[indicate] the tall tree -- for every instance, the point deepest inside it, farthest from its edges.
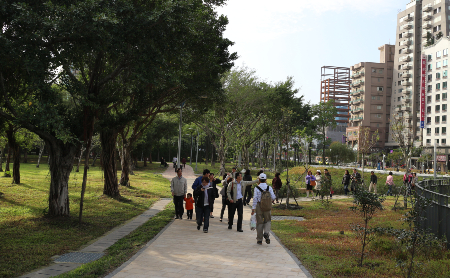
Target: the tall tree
(367, 139)
(324, 115)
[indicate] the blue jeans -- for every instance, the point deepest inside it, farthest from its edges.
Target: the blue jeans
(389, 192)
(203, 213)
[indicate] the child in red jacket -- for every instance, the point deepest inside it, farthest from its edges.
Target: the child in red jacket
(189, 205)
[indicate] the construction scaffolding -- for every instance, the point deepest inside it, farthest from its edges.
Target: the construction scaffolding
(335, 84)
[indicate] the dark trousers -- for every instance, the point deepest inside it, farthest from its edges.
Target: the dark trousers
(189, 213)
(178, 202)
(247, 194)
(224, 205)
(212, 205)
(239, 206)
(203, 213)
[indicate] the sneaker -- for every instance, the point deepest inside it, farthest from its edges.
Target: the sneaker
(205, 231)
(176, 217)
(212, 216)
(198, 227)
(259, 242)
(266, 236)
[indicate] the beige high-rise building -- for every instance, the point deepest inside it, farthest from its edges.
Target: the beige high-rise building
(371, 97)
(421, 22)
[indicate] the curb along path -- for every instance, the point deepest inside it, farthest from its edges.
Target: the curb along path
(183, 251)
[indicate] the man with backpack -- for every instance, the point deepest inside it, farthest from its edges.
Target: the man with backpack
(263, 198)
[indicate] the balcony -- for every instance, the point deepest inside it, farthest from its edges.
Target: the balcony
(406, 83)
(397, 109)
(407, 66)
(427, 8)
(406, 43)
(427, 16)
(358, 83)
(358, 74)
(358, 101)
(407, 35)
(405, 58)
(406, 26)
(406, 92)
(424, 34)
(406, 108)
(406, 75)
(407, 51)
(427, 26)
(407, 100)
(409, 18)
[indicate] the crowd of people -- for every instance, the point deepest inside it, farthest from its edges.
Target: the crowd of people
(236, 193)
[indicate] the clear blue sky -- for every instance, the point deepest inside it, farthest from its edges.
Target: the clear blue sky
(297, 37)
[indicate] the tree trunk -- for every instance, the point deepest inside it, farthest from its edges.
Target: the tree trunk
(41, 151)
(60, 163)
(222, 153)
(25, 156)
(15, 148)
(88, 128)
(125, 160)
(150, 159)
(145, 160)
(207, 144)
(213, 163)
(309, 152)
(108, 140)
(1, 159)
(79, 158)
(8, 159)
(95, 158)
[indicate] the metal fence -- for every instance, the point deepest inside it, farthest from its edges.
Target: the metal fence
(437, 216)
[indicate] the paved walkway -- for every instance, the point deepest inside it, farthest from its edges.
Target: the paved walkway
(183, 251)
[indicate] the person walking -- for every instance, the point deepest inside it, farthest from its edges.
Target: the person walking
(373, 182)
(276, 185)
(318, 186)
(203, 196)
(327, 182)
(263, 198)
(183, 161)
(226, 180)
(389, 183)
(213, 183)
(198, 181)
(310, 183)
(174, 161)
(178, 186)
(356, 180)
(248, 189)
(189, 205)
(235, 192)
(346, 181)
(415, 180)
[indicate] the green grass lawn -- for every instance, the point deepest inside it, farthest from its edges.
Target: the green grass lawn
(30, 238)
(325, 252)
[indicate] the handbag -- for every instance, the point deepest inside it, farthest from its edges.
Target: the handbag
(312, 183)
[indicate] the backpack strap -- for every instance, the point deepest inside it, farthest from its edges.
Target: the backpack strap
(267, 189)
(259, 188)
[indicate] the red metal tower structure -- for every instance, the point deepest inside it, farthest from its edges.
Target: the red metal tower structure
(335, 84)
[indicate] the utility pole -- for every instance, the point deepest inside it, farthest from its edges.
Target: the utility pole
(434, 164)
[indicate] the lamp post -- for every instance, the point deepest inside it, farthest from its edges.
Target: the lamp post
(196, 156)
(179, 136)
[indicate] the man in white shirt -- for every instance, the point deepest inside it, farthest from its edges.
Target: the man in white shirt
(263, 218)
(235, 192)
(178, 186)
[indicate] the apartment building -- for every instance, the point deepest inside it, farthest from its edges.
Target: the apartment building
(436, 98)
(371, 97)
(421, 23)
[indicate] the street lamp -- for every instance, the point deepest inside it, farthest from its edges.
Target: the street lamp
(179, 136)
(196, 156)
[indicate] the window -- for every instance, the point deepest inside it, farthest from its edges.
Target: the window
(430, 57)
(436, 130)
(444, 74)
(438, 65)
(444, 130)
(380, 71)
(436, 119)
(399, 99)
(444, 119)
(438, 54)
(374, 70)
(444, 96)
(438, 97)
(438, 75)
(395, 83)
(445, 63)
(437, 141)
(429, 67)
(444, 107)
(428, 120)
(429, 141)
(374, 97)
(428, 99)
(400, 51)
(400, 90)
(437, 108)
(379, 107)
(438, 86)
(444, 85)
(430, 77)
(444, 141)
(429, 88)
(429, 110)
(429, 131)
(445, 52)
(379, 89)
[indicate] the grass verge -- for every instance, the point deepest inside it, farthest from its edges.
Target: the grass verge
(325, 252)
(125, 248)
(30, 238)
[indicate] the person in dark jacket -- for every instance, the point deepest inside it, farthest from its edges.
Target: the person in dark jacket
(248, 189)
(226, 180)
(346, 181)
(276, 185)
(373, 182)
(203, 195)
(213, 182)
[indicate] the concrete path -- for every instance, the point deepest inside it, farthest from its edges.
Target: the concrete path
(183, 251)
